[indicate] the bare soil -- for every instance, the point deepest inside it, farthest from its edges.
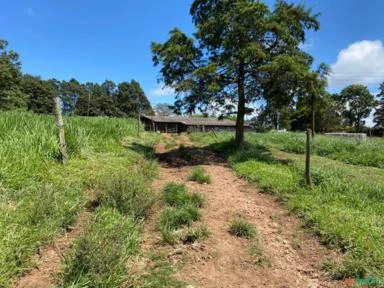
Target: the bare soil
(49, 258)
(291, 256)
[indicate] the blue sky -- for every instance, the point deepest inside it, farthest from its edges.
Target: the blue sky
(98, 40)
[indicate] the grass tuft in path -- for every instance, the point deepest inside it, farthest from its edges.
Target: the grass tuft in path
(199, 175)
(241, 228)
(182, 210)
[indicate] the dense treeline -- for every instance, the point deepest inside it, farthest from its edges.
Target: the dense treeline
(345, 111)
(18, 91)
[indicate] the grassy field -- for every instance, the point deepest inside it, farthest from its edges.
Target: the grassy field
(40, 197)
(346, 205)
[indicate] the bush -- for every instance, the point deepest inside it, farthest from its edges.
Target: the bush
(99, 256)
(131, 196)
(199, 175)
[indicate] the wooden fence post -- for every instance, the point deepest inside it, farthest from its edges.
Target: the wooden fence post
(308, 159)
(60, 131)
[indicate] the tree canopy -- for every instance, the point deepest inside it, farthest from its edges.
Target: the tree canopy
(11, 96)
(357, 103)
(241, 52)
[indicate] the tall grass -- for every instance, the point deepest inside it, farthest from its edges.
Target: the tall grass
(345, 207)
(99, 256)
(39, 197)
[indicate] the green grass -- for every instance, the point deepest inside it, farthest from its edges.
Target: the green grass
(350, 151)
(241, 228)
(199, 175)
(174, 218)
(39, 197)
(130, 196)
(182, 210)
(171, 144)
(99, 256)
(345, 206)
(176, 195)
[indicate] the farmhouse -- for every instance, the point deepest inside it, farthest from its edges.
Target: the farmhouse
(177, 124)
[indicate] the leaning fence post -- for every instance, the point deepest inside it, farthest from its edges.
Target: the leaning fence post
(308, 159)
(60, 131)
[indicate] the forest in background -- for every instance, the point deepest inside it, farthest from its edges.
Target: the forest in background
(32, 93)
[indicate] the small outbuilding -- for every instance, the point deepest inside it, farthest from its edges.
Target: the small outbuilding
(178, 124)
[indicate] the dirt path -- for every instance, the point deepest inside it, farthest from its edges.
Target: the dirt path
(49, 258)
(293, 258)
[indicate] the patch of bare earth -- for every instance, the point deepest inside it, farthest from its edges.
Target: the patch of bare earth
(293, 258)
(49, 257)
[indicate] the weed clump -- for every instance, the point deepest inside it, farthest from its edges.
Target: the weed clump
(199, 175)
(241, 228)
(182, 211)
(173, 218)
(176, 195)
(193, 235)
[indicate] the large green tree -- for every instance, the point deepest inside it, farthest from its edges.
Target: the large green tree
(11, 96)
(40, 94)
(241, 51)
(379, 113)
(357, 103)
(131, 99)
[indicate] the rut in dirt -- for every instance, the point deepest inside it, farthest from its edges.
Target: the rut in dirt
(291, 257)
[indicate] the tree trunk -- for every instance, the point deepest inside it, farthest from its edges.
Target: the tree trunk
(60, 131)
(313, 121)
(240, 105)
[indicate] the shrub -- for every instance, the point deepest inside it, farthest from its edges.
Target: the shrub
(199, 175)
(99, 256)
(241, 228)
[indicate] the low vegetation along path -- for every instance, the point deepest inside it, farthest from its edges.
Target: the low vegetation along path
(289, 257)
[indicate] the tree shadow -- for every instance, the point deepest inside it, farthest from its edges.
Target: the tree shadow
(217, 153)
(148, 151)
(247, 152)
(189, 156)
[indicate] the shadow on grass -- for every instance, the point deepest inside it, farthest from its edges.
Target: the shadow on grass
(247, 152)
(148, 151)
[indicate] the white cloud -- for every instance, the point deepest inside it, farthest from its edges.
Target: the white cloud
(30, 12)
(161, 91)
(360, 63)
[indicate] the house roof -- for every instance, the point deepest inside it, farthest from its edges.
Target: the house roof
(191, 120)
